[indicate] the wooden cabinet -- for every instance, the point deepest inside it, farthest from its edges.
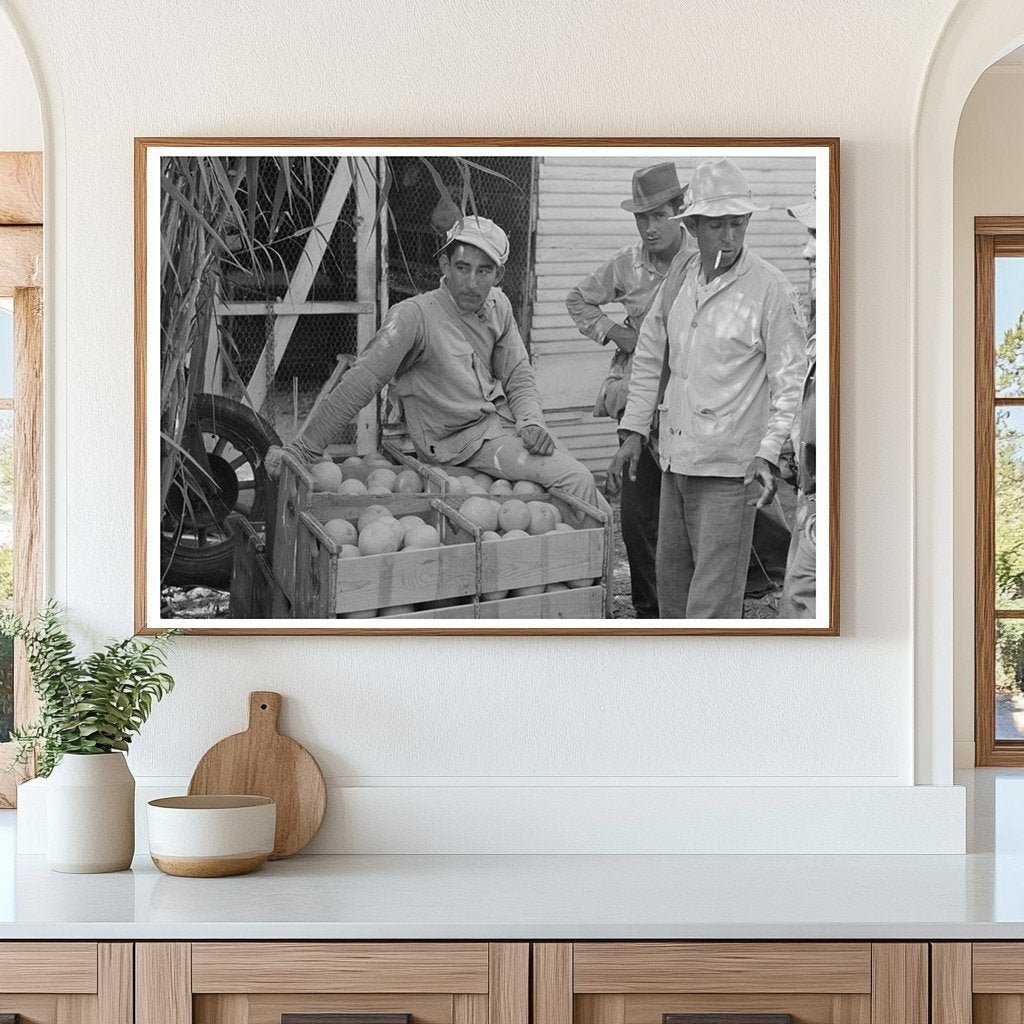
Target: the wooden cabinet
(260, 982)
(650, 982)
(978, 983)
(66, 982)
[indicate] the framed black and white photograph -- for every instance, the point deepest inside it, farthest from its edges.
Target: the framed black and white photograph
(488, 386)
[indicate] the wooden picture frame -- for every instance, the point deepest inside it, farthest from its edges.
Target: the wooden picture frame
(286, 311)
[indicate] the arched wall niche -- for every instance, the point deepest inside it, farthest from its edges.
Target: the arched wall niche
(976, 34)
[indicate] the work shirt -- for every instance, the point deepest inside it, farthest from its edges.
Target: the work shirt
(631, 278)
(463, 378)
(736, 365)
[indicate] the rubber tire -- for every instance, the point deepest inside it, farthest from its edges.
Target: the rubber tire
(221, 416)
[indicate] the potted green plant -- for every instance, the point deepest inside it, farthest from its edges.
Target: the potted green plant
(89, 709)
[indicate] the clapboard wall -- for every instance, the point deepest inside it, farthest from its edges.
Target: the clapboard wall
(579, 225)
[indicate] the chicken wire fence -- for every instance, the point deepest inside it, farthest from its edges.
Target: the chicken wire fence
(285, 359)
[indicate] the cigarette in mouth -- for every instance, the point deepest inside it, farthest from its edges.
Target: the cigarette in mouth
(718, 259)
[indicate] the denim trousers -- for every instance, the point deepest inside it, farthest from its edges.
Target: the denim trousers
(704, 534)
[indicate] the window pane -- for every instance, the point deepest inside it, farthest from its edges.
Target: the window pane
(6, 567)
(1009, 319)
(1009, 679)
(1009, 532)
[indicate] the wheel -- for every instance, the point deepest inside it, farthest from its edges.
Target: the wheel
(196, 547)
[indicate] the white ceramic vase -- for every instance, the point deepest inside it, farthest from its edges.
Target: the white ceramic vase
(90, 814)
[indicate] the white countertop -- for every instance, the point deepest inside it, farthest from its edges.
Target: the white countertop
(977, 896)
(516, 897)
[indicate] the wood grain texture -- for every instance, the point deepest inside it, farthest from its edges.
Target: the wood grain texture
(115, 1002)
(509, 983)
(951, 983)
(163, 983)
(899, 991)
(603, 1009)
(721, 967)
(262, 762)
(805, 1008)
(21, 259)
(29, 1009)
(76, 1010)
(998, 1009)
(468, 1009)
(28, 483)
(267, 1009)
(998, 967)
(65, 967)
(552, 983)
(226, 1009)
(21, 188)
(339, 967)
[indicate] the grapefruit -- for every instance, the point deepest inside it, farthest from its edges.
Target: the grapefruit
(352, 486)
(483, 480)
(341, 531)
(377, 538)
(348, 551)
(419, 537)
(542, 519)
(352, 460)
(410, 521)
(326, 476)
(358, 471)
(469, 486)
(563, 528)
(454, 485)
(500, 487)
(527, 489)
(408, 482)
(370, 513)
(514, 515)
(553, 588)
(495, 595)
(385, 478)
(489, 535)
(527, 591)
(480, 512)
(515, 535)
(577, 584)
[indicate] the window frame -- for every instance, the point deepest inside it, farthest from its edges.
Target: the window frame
(993, 237)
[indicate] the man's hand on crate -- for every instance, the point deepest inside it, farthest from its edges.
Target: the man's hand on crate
(272, 461)
(537, 440)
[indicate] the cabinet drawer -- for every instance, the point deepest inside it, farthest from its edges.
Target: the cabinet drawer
(730, 983)
(332, 983)
(66, 967)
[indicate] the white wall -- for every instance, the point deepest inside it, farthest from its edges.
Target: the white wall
(987, 182)
(425, 715)
(21, 127)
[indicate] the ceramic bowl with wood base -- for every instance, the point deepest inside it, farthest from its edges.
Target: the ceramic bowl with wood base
(211, 836)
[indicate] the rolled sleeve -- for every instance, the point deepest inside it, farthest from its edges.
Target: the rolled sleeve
(786, 365)
(584, 301)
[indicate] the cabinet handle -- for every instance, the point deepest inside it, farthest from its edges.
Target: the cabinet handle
(727, 1018)
(337, 1018)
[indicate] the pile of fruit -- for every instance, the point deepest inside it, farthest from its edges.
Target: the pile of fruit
(500, 509)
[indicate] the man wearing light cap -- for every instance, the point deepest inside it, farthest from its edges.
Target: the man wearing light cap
(462, 373)
(721, 356)
(632, 277)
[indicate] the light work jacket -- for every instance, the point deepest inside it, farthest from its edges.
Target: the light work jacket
(736, 366)
(459, 376)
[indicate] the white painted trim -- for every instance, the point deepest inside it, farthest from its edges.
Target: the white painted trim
(972, 38)
(566, 819)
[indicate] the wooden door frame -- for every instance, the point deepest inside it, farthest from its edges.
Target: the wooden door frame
(21, 278)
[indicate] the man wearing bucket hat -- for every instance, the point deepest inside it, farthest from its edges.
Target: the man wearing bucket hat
(462, 373)
(632, 278)
(721, 356)
(799, 592)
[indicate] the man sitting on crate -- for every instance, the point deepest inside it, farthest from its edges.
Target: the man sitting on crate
(462, 372)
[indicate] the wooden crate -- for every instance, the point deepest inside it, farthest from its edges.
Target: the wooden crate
(252, 579)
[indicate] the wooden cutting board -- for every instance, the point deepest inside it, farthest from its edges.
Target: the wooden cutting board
(262, 762)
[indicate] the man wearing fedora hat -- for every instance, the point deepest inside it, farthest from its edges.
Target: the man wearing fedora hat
(462, 373)
(799, 592)
(632, 277)
(721, 356)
